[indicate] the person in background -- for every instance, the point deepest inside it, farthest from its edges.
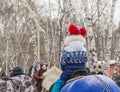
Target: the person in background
(93, 72)
(100, 72)
(74, 55)
(117, 80)
(20, 82)
(16, 71)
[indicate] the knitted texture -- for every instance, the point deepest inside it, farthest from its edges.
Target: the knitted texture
(72, 61)
(75, 59)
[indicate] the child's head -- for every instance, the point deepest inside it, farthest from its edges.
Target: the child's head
(75, 41)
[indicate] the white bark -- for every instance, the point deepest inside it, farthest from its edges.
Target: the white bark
(7, 47)
(38, 29)
(47, 40)
(100, 51)
(90, 37)
(110, 31)
(117, 49)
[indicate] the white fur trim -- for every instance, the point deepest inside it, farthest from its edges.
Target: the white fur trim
(71, 38)
(50, 77)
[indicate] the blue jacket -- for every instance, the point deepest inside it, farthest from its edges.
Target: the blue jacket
(72, 61)
(92, 83)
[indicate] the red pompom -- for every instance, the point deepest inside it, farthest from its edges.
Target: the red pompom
(73, 29)
(83, 32)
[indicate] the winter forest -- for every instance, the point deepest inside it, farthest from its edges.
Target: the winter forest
(33, 30)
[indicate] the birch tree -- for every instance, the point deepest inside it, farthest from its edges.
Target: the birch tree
(90, 37)
(116, 47)
(18, 26)
(109, 32)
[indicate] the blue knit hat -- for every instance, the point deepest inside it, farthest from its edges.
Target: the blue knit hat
(17, 71)
(92, 83)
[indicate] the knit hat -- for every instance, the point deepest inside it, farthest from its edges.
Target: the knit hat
(92, 83)
(75, 34)
(17, 71)
(74, 54)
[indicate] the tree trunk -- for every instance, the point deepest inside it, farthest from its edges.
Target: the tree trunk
(90, 37)
(110, 32)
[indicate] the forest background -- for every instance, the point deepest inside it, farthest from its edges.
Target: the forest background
(33, 30)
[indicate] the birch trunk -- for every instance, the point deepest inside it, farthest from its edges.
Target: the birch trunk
(100, 51)
(92, 55)
(47, 41)
(109, 34)
(117, 49)
(38, 29)
(7, 64)
(108, 48)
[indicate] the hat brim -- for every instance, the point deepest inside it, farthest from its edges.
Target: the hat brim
(71, 38)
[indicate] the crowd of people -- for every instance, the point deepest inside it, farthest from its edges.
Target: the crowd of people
(17, 81)
(24, 83)
(74, 57)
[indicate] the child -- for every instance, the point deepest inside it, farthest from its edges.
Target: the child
(74, 55)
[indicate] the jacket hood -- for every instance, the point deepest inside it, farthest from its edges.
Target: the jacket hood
(92, 83)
